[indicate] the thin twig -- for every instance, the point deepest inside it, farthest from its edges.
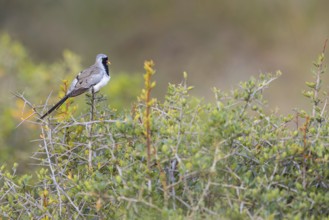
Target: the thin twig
(140, 201)
(26, 102)
(53, 176)
(90, 150)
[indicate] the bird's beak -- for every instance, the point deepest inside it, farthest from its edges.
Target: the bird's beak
(108, 62)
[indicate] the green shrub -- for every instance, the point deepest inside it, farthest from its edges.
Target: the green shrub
(18, 72)
(180, 158)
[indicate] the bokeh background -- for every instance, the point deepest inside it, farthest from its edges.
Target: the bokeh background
(218, 43)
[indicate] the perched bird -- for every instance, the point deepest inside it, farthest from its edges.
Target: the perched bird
(91, 79)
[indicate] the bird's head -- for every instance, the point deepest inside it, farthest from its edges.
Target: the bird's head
(102, 59)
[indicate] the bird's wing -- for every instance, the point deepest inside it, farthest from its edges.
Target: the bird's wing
(73, 84)
(85, 80)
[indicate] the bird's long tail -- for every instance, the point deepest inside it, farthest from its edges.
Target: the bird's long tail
(58, 104)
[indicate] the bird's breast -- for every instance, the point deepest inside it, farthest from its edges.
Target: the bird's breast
(102, 83)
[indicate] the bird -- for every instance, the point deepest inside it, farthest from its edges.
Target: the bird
(91, 79)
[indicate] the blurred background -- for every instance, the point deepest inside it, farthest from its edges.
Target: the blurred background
(218, 43)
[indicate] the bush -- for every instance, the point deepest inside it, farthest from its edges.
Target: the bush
(180, 158)
(18, 72)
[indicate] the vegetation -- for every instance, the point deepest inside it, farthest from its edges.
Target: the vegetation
(19, 73)
(178, 158)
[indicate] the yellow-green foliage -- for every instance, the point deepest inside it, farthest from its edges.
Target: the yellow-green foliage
(37, 81)
(228, 159)
(123, 90)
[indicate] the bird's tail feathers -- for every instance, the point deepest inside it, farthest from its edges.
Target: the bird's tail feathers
(58, 104)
